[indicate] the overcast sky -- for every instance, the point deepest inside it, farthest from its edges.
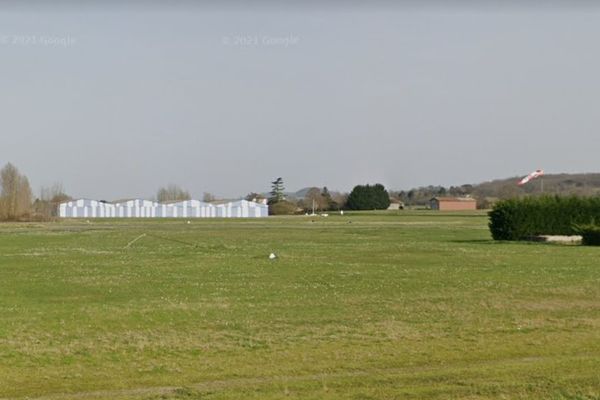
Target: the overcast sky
(116, 100)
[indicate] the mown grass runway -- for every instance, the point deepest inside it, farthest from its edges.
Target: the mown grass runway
(402, 305)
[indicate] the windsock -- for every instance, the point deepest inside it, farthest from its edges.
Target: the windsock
(533, 175)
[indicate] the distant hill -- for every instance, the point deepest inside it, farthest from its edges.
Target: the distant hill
(587, 184)
(299, 194)
(563, 184)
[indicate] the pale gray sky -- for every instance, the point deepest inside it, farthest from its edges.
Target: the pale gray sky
(115, 100)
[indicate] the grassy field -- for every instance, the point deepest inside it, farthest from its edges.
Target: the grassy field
(413, 305)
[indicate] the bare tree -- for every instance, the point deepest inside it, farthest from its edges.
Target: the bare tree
(253, 196)
(46, 206)
(340, 199)
(15, 193)
(172, 193)
(24, 197)
(9, 177)
(208, 197)
(315, 197)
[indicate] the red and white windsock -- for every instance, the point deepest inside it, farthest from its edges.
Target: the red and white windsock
(533, 175)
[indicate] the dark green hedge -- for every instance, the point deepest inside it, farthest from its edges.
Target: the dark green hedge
(368, 197)
(590, 234)
(517, 219)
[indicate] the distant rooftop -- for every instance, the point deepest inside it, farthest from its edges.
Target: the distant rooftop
(453, 198)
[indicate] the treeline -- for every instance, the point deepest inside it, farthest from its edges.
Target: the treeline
(488, 193)
(314, 199)
(422, 195)
(17, 202)
(582, 185)
(308, 200)
(173, 193)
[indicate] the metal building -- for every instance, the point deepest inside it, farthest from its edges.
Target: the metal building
(138, 208)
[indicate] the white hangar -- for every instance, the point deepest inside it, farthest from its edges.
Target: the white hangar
(84, 208)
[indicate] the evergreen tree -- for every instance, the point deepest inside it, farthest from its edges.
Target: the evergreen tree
(369, 197)
(330, 204)
(277, 189)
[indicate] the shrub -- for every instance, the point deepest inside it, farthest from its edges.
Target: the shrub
(282, 207)
(517, 219)
(368, 197)
(590, 234)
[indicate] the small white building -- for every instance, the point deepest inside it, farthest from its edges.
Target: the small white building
(396, 205)
(139, 208)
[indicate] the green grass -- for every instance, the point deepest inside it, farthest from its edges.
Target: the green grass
(406, 305)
